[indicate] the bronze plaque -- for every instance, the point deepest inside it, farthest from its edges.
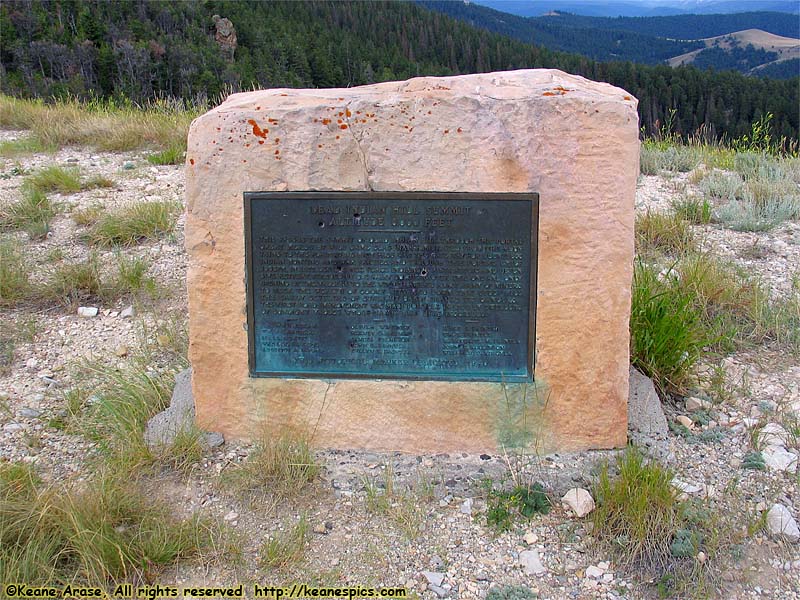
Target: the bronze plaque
(412, 285)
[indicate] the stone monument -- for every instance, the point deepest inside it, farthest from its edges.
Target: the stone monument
(424, 266)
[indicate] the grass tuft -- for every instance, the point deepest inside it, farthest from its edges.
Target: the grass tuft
(174, 155)
(692, 209)
(32, 213)
(667, 331)
(56, 179)
(286, 548)
(665, 232)
(14, 284)
(106, 531)
(280, 466)
(103, 125)
(26, 145)
(141, 221)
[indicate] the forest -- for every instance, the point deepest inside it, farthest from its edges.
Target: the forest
(139, 49)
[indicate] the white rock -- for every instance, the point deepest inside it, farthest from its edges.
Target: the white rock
(434, 577)
(231, 516)
(530, 561)
(530, 538)
(781, 523)
(686, 487)
(466, 506)
(693, 404)
(685, 421)
(594, 572)
(128, 313)
(779, 458)
(772, 434)
(579, 501)
(87, 311)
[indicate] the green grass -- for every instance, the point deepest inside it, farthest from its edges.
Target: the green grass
(56, 179)
(106, 531)
(104, 125)
(32, 213)
(692, 209)
(285, 548)
(664, 232)
(173, 155)
(26, 145)
(140, 221)
(86, 217)
(280, 466)
(14, 284)
(667, 331)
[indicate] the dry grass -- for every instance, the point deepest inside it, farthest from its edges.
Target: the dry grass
(130, 225)
(102, 126)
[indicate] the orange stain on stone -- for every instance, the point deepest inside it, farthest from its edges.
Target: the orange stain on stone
(260, 141)
(459, 130)
(191, 161)
(343, 126)
(257, 131)
(348, 113)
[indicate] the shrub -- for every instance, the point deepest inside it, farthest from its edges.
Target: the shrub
(504, 507)
(510, 592)
(141, 221)
(654, 158)
(726, 186)
(748, 215)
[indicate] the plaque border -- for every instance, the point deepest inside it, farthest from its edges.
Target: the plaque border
(250, 197)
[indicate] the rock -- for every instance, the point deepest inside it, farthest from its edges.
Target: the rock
(530, 538)
(781, 523)
(685, 421)
(320, 529)
(128, 313)
(213, 439)
(87, 312)
(29, 413)
(579, 501)
(529, 559)
(121, 351)
(647, 425)
(594, 572)
(466, 506)
(231, 516)
(436, 563)
(694, 404)
(439, 591)
(12, 427)
(772, 434)
(543, 121)
(179, 416)
(225, 36)
(686, 487)
(434, 577)
(779, 458)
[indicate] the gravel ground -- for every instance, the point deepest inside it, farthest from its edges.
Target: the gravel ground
(436, 521)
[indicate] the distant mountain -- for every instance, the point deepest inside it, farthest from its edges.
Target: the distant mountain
(685, 27)
(649, 40)
(745, 51)
(633, 8)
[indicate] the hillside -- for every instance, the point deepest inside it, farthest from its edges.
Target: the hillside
(638, 8)
(649, 40)
(133, 51)
(748, 50)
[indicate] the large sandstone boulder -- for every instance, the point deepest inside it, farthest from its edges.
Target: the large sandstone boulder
(573, 141)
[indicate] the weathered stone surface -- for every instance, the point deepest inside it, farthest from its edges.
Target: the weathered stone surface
(531, 563)
(573, 141)
(647, 425)
(781, 523)
(579, 501)
(162, 428)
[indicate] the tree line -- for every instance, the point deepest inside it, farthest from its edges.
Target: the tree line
(141, 48)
